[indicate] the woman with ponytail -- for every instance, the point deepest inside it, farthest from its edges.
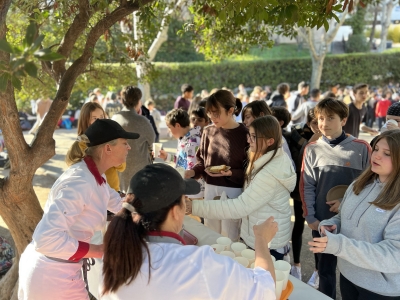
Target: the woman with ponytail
(146, 258)
(222, 143)
(90, 112)
(270, 177)
(50, 266)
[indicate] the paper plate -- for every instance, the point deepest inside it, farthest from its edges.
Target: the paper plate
(226, 169)
(337, 192)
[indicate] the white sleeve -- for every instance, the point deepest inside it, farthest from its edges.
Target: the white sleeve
(227, 279)
(115, 202)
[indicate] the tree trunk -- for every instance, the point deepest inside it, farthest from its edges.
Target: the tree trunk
(371, 36)
(317, 66)
(386, 17)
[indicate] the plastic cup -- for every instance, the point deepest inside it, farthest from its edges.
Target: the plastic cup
(249, 254)
(273, 258)
(228, 253)
(225, 241)
(156, 149)
(284, 267)
(237, 248)
(218, 248)
(252, 266)
(243, 261)
(280, 278)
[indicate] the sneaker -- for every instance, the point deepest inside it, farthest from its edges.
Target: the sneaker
(314, 280)
(296, 272)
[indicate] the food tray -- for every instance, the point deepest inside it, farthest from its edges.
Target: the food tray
(286, 293)
(226, 169)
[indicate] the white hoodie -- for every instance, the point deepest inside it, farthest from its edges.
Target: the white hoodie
(267, 195)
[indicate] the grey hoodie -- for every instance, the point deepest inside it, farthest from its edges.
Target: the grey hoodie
(367, 241)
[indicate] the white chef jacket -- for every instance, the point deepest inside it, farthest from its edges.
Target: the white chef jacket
(191, 272)
(76, 208)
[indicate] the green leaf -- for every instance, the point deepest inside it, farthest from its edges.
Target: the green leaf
(16, 82)
(31, 69)
(30, 33)
(37, 42)
(5, 46)
(47, 55)
(3, 81)
(326, 25)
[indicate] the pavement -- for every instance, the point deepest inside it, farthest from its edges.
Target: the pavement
(53, 168)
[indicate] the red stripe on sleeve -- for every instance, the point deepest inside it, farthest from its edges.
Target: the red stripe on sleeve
(83, 249)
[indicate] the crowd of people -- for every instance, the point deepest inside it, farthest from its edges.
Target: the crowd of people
(271, 147)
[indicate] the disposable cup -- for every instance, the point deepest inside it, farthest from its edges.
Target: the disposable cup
(228, 253)
(225, 241)
(280, 278)
(237, 248)
(252, 266)
(243, 261)
(218, 248)
(284, 267)
(273, 258)
(156, 149)
(249, 254)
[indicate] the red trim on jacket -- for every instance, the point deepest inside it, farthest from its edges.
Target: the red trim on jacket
(168, 234)
(366, 145)
(83, 249)
(93, 169)
(301, 187)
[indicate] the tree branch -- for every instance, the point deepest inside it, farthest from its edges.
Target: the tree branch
(4, 7)
(310, 40)
(329, 37)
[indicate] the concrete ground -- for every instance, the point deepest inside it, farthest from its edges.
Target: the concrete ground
(50, 171)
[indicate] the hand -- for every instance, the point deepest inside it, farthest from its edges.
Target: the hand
(314, 226)
(334, 204)
(266, 230)
(221, 174)
(189, 174)
(318, 244)
(375, 132)
(391, 126)
(188, 206)
(163, 154)
(330, 228)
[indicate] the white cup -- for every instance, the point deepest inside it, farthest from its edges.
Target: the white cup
(238, 248)
(243, 261)
(156, 149)
(284, 267)
(225, 241)
(252, 266)
(280, 278)
(273, 258)
(218, 248)
(228, 253)
(391, 121)
(249, 254)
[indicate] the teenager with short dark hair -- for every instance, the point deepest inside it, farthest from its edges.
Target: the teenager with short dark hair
(334, 159)
(184, 100)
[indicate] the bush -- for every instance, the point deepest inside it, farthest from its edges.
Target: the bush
(394, 33)
(357, 43)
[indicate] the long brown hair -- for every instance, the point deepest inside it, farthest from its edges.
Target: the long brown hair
(125, 243)
(225, 99)
(389, 196)
(265, 128)
(256, 108)
(75, 153)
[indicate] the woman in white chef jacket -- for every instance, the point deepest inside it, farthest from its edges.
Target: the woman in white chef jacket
(50, 266)
(145, 257)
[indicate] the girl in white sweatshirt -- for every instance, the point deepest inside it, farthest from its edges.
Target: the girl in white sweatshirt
(270, 177)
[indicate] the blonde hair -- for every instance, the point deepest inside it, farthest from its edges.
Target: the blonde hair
(389, 196)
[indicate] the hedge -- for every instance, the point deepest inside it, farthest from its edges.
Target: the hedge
(346, 69)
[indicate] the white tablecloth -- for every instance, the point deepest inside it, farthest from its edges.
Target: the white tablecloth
(206, 236)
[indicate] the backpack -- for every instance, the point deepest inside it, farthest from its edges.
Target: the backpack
(6, 255)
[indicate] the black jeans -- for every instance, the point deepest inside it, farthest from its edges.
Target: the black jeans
(298, 229)
(350, 291)
(326, 271)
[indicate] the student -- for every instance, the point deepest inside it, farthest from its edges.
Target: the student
(357, 112)
(145, 255)
(393, 113)
(334, 159)
(151, 106)
(184, 100)
(298, 138)
(270, 178)
(381, 109)
(178, 123)
(50, 266)
(298, 99)
(222, 143)
(301, 114)
(280, 98)
(365, 234)
(90, 112)
(198, 117)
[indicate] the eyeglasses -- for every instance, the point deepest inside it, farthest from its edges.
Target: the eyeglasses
(253, 138)
(213, 114)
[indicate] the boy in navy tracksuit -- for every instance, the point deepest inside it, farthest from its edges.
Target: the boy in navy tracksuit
(334, 159)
